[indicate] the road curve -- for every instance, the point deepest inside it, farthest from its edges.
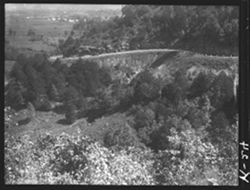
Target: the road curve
(105, 55)
(53, 58)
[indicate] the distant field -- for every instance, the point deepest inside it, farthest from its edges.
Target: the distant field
(51, 32)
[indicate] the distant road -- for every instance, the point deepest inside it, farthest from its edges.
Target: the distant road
(104, 55)
(53, 58)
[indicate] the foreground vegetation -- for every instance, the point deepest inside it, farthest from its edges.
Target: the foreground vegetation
(79, 160)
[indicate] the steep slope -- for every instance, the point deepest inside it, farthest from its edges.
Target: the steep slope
(192, 64)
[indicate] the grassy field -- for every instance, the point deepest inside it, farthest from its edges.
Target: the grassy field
(43, 122)
(50, 122)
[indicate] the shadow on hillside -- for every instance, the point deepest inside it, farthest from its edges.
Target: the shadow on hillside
(62, 122)
(59, 109)
(24, 121)
(163, 58)
(94, 114)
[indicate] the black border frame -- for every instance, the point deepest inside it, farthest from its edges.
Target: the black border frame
(244, 75)
(243, 82)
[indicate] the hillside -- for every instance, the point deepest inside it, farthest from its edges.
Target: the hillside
(127, 64)
(140, 95)
(180, 99)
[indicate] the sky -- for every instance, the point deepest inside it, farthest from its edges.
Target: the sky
(12, 7)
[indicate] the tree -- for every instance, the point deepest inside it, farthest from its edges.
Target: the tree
(124, 136)
(31, 33)
(70, 96)
(82, 104)
(18, 73)
(34, 73)
(48, 73)
(180, 80)
(69, 47)
(42, 103)
(147, 134)
(199, 115)
(221, 90)
(176, 91)
(31, 109)
(71, 113)
(92, 77)
(220, 127)
(54, 93)
(143, 117)
(205, 29)
(187, 160)
(14, 95)
(200, 85)
(105, 77)
(146, 87)
(172, 93)
(36, 80)
(59, 80)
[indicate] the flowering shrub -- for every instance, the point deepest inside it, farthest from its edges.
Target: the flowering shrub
(190, 160)
(8, 117)
(187, 159)
(73, 160)
(123, 167)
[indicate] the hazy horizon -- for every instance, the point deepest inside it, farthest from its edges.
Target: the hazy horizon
(35, 6)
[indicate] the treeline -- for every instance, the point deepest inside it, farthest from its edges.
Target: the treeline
(87, 90)
(204, 29)
(207, 105)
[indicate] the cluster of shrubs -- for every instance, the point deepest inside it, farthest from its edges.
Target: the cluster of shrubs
(36, 80)
(73, 160)
(66, 159)
(201, 114)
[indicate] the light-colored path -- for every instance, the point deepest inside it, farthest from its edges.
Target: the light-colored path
(140, 51)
